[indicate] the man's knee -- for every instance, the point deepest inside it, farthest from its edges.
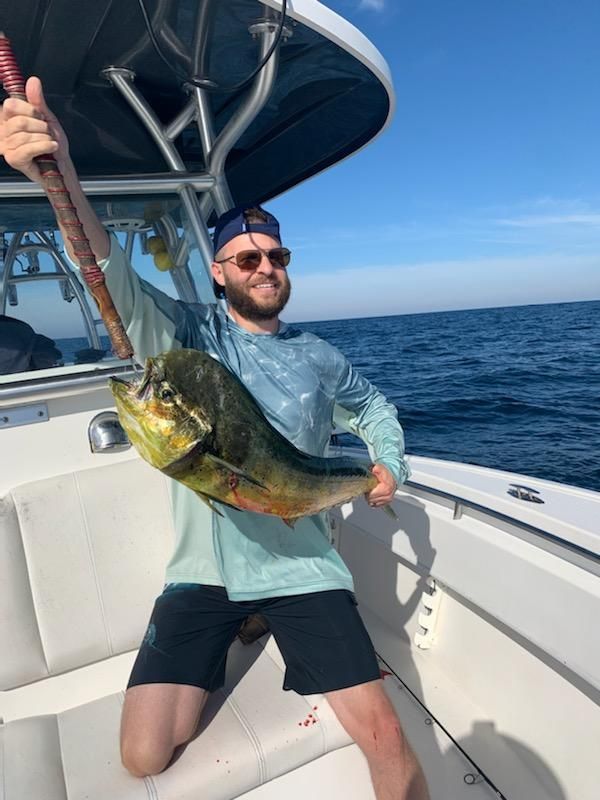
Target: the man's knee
(383, 736)
(142, 757)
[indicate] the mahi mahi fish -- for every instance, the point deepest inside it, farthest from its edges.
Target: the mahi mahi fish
(194, 420)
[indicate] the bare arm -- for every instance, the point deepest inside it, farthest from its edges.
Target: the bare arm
(30, 129)
(153, 321)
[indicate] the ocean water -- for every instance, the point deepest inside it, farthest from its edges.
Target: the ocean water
(512, 388)
(77, 350)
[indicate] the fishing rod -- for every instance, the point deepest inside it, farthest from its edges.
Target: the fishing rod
(67, 216)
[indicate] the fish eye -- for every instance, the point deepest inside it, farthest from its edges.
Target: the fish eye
(166, 393)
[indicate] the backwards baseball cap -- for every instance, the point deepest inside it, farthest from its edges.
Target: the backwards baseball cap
(235, 222)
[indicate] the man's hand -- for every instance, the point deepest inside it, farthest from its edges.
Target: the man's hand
(384, 492)
(29, 129)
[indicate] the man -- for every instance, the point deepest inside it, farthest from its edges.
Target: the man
(227, 567)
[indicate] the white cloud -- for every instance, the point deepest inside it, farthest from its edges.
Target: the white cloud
(544, 220)
(443, 285)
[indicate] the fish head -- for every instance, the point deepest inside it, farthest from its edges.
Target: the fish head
(158, 411)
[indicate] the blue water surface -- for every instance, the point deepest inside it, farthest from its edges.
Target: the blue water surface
(512, 388)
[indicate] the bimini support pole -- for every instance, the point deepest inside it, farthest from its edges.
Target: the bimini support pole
(158, 184)
(216, 149)
(266, 31)
(62, 272)
(123, 80)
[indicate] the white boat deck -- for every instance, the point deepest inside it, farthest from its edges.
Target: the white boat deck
(450, 774)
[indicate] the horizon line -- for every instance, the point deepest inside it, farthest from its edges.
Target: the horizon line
(415, 313)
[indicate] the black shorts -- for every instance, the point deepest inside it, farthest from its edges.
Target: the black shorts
(321, 637)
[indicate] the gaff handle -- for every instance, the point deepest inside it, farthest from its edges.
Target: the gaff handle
(66, 215)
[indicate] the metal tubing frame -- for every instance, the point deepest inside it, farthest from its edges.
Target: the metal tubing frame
(122, 79)
(243, 117)
(216, 149)
(90, 379)
(78, 291)
(130, 236)
(178, 248)
(216, 152)
(200, 65)
(204, 121)
(151, 185)
(200, 51)
(9, 259)
(166, 228)
(181, 121)
(62, 273)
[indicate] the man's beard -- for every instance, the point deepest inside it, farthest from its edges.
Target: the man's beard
(238, 297)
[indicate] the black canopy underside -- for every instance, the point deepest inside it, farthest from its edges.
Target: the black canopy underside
(325, 103)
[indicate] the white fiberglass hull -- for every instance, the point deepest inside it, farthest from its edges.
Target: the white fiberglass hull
(487, 605)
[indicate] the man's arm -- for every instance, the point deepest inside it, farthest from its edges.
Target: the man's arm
(154, 321)
(29, 129)
(363, 410)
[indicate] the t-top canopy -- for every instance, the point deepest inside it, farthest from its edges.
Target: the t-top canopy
(331, 94)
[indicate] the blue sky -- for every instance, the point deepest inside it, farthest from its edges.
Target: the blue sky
(485, 189)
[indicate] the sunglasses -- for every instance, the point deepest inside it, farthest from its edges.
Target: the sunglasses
(250, 259)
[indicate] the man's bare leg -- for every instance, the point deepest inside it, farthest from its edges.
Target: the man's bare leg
(368, 716)
(156, 719)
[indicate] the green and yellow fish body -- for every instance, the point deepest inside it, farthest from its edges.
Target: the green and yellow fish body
(195, 421)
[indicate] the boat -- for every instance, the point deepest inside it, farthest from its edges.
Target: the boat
(482, 597)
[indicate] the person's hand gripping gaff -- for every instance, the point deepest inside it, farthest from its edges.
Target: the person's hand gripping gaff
(66, 215)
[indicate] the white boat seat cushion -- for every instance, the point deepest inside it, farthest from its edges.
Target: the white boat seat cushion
(252, 732)
(82, 557)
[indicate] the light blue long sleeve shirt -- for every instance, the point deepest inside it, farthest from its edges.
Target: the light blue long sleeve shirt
(304, 386)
